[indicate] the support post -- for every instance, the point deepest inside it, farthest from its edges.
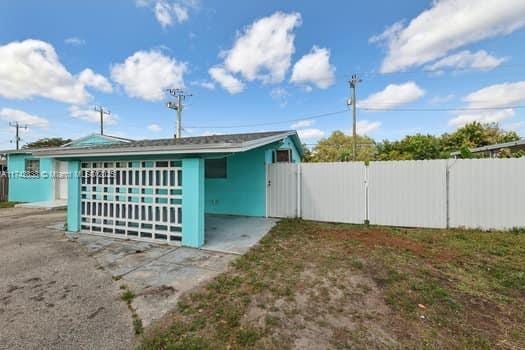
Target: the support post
(193, 202)
(73, 196)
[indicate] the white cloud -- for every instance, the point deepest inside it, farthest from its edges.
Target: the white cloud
(264, 49)
(15, 115)
(147, 74)
(514, 126)
(303, 124)
(365, 127)
(96, 81)
(314, 68)
(74, 41)
(32, 68)
(280, 94)
(442, 99)
(498, 95)
(226, 80)
(154, 127)
(393, 95)
(310, 133)
(493, 96)
(204, 84)
(445, 26)
(90, 115)
(494, 116)
(168, 13)
(480, 60)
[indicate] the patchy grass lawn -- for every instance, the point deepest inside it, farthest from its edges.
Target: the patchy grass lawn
(315, 285)
(7, 204)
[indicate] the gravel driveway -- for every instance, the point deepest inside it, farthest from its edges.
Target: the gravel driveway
(52, 294)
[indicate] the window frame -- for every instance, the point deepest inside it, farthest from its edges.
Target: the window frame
(276, 158)
(30, 170)
(207, 174)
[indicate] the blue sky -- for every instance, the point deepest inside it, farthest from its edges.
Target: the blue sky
(259, 62)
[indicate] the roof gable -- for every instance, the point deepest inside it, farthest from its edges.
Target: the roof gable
(95, 140)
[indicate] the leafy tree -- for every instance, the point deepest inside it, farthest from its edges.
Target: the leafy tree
(338, 147)
(476, 135)
(47, 142)
(411, 147)
(307, 157)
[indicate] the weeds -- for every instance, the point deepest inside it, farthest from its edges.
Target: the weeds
(358, 286)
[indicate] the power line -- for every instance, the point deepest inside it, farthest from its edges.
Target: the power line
(315, 116)
(178, 106)
(17, 126)
(353, 101)
(102, 113)
(387, 109)
(328, 114)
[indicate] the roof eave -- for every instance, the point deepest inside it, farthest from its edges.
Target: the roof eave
(172, 149)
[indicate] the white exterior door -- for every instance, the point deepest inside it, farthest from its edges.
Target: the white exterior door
(282, 184)
(61, 180)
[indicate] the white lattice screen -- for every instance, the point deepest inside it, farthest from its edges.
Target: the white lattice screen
(137, 199)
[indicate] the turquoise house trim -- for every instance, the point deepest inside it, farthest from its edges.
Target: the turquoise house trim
(95, 140)
(30, 189)
(193, 202)
(73, 200)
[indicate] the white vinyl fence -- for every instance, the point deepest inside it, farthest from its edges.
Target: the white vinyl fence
(409, 193)
(474, 193)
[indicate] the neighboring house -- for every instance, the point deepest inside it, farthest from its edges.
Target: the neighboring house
(33, 178)
(160, 190)
(493, 151)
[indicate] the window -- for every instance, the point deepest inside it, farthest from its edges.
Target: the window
(32, 167)
(215, 168)
(282, 156)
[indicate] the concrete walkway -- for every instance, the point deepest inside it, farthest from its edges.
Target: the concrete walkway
(235, 234)
(156, 274)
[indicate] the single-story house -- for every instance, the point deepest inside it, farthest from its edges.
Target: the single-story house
(155, 190)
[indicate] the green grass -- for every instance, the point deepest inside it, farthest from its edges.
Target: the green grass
(7, 204)
(127, 296)
(352, 286)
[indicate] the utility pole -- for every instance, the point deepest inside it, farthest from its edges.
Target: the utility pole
(178, 106)
(352, 101)
(17, 137)
(102, 113)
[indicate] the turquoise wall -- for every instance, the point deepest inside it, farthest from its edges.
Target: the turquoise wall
(193, 202)
(243, 192)
(30, 189)
(73, 196)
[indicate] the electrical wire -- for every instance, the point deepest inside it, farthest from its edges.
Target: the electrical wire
(315, 116)
(328, 114)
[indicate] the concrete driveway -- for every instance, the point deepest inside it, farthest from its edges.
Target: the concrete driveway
(52, 295)
(63, 291)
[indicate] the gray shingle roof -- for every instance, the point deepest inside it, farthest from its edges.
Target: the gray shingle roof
(197, 140)
(188, 145)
